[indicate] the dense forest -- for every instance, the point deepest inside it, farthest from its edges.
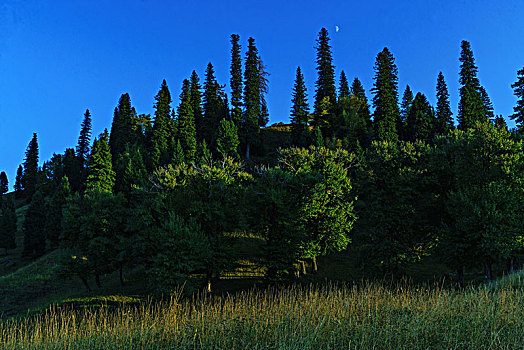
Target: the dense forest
(396, 180)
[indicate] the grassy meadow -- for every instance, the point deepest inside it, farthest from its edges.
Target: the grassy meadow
(334, 316)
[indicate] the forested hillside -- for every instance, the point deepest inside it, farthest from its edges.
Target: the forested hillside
(384, 182)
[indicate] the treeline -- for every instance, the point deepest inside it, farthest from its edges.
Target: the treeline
(173, 192)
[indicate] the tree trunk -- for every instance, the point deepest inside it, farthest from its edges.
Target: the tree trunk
(208, 278)
(460, 277)
(84, 281)
(510, 266)
(121, 274)
(97, 280)
(304, 272)
(487, 272)
(247, 151)
(315, 269)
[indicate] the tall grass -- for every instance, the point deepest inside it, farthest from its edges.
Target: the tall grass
(375, 316)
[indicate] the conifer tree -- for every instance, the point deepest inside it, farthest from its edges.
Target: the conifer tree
(325, 92)
(252, 95)
(33, 227)
(227, 139)
(196, 104)
(420, 120)
(213, 107)
(358, 91)
(343, 88)
(101, 177)
(161, 132)
(178, 154)
(385, 99)
(123, 126)
(53, 223)
(4, 185)
(134, 172)
(186, 123)
(8, 226)
(444, 122)
(518, 91)
(82, 148)
(407, 100)
(486, 103)
(471, 105)
(19, 187)
(30, 177)
(263, 117)
(235, 81)
(299, 111)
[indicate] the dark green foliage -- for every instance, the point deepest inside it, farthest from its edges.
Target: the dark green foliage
(343, 87)
(500, 122)
(394, 226)
(252, 97)
(299, 111)
(420, 120)
(33, 227)
(134, 173)
(53, 223)
(183, 249)
(479, 176)
(209, 193)
(178, 154)
(471, 104)
(263, 116)
(227, 139)
(518, 88)
(407, 100)
(351, 123)
(84, 140)
(486, 103)
(19, 187)
(123, 126)
(235, 81)
(318, 139)
(161, 133)
(444, 122)
(385, 97)
(4, 184)
(325, 92)
(213, 106)
(8, 226)
(101, 177)
(358, 91)
(30, 177)
(196, 104)
(326, 211)
(186, 132)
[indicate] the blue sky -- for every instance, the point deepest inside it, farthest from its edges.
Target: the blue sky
(59, 57)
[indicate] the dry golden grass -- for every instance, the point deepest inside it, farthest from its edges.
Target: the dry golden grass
(375, 316)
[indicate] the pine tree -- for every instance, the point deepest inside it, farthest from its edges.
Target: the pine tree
(213, 107)
(101, 177)
(33, 227)
(30, 177)
(196, 104)
(123, 126)
(161, 132)
(263, 117)
(8, 226)
(343, 88)
(235, 81)
(407, 100)
(19, 187)
(444, 122)
(385, 99)
(518, 88)
(252, 95)
(82, 148)
(358, 91)
(299, 111)
(486, 103)
(471, 105)
(420, 120)
(186, 123)
(325, 92)
(134, 172)
(227, 139)
(4, 185)
(178, 154)
(53, 223)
